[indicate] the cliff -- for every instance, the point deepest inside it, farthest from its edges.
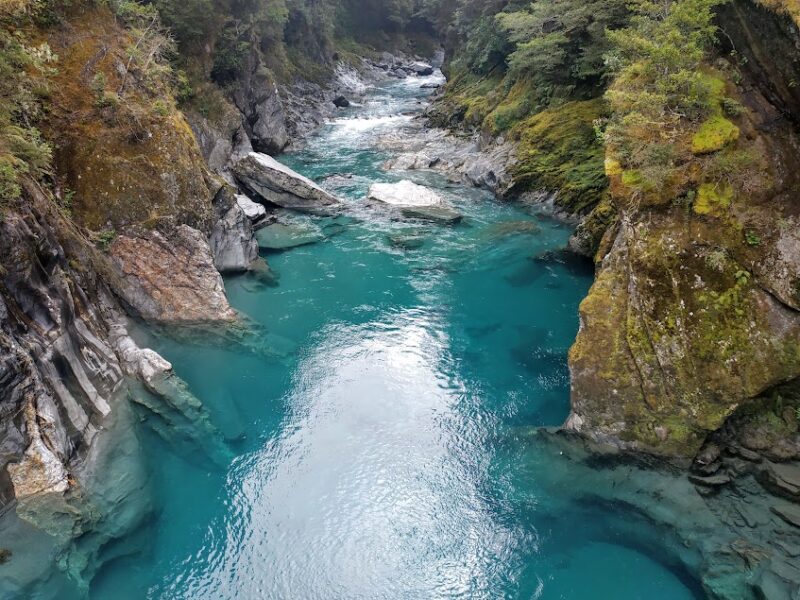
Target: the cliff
(697, 287)
(679, 161)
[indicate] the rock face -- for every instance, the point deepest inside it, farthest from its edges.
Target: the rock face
(277, 184)
(57, 371)
(675, 363)
(232, 240)
(414, 200)
(64, 357)
(170, 279)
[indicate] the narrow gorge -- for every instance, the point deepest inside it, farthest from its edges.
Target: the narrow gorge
(405, 299)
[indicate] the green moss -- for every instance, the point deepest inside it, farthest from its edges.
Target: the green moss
(714, 134)
(558, 150)
(632, 178)
(512, 109)
(713, 199)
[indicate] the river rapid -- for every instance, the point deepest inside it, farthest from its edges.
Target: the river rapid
(384, 447)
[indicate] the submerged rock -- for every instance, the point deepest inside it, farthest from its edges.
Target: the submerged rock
(277, 184)
(790, 514)
(407, 240)
(415, 201)
(283, 236)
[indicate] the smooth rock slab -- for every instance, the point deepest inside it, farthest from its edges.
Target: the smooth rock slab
(790, 514)
(414, 201)
(277, 184)
(281, 236)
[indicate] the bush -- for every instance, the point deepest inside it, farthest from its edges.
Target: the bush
(9, 186)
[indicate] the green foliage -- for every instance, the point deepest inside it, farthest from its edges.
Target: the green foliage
(190, 21)
(230, 54)
(9, 185)
(561, 44)
(663, 91)
(105, 238)
(558, 151)
(752, 238)
(658, 59)
(22, 149)
(732, 108)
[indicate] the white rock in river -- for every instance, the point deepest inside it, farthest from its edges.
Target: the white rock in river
(252, 210)
(277, 184)
(414, 200)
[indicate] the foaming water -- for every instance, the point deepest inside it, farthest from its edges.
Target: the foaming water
(382, 458)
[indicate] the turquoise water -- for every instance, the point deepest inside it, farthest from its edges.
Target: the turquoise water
(377, 453)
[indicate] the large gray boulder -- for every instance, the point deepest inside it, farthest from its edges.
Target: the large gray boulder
(275, 183)
(414, 201)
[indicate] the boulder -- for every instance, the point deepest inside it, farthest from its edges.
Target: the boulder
(269, 129)
(252, 210)
(782, 479)
(277, 184)
(421, 69)
(169, 278)
(433, 85)
(341, 102)
(414, 201)
(411, 161)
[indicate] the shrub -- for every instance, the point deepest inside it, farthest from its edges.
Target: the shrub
(752, 238)
(9, 186)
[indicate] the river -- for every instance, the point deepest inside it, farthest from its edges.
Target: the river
(379, 453)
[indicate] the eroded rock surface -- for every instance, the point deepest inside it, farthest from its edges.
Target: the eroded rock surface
(232, 241)
(170, 279)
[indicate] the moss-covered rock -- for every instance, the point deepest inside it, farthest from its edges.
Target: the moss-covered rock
(128, 162)
(686, 338)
